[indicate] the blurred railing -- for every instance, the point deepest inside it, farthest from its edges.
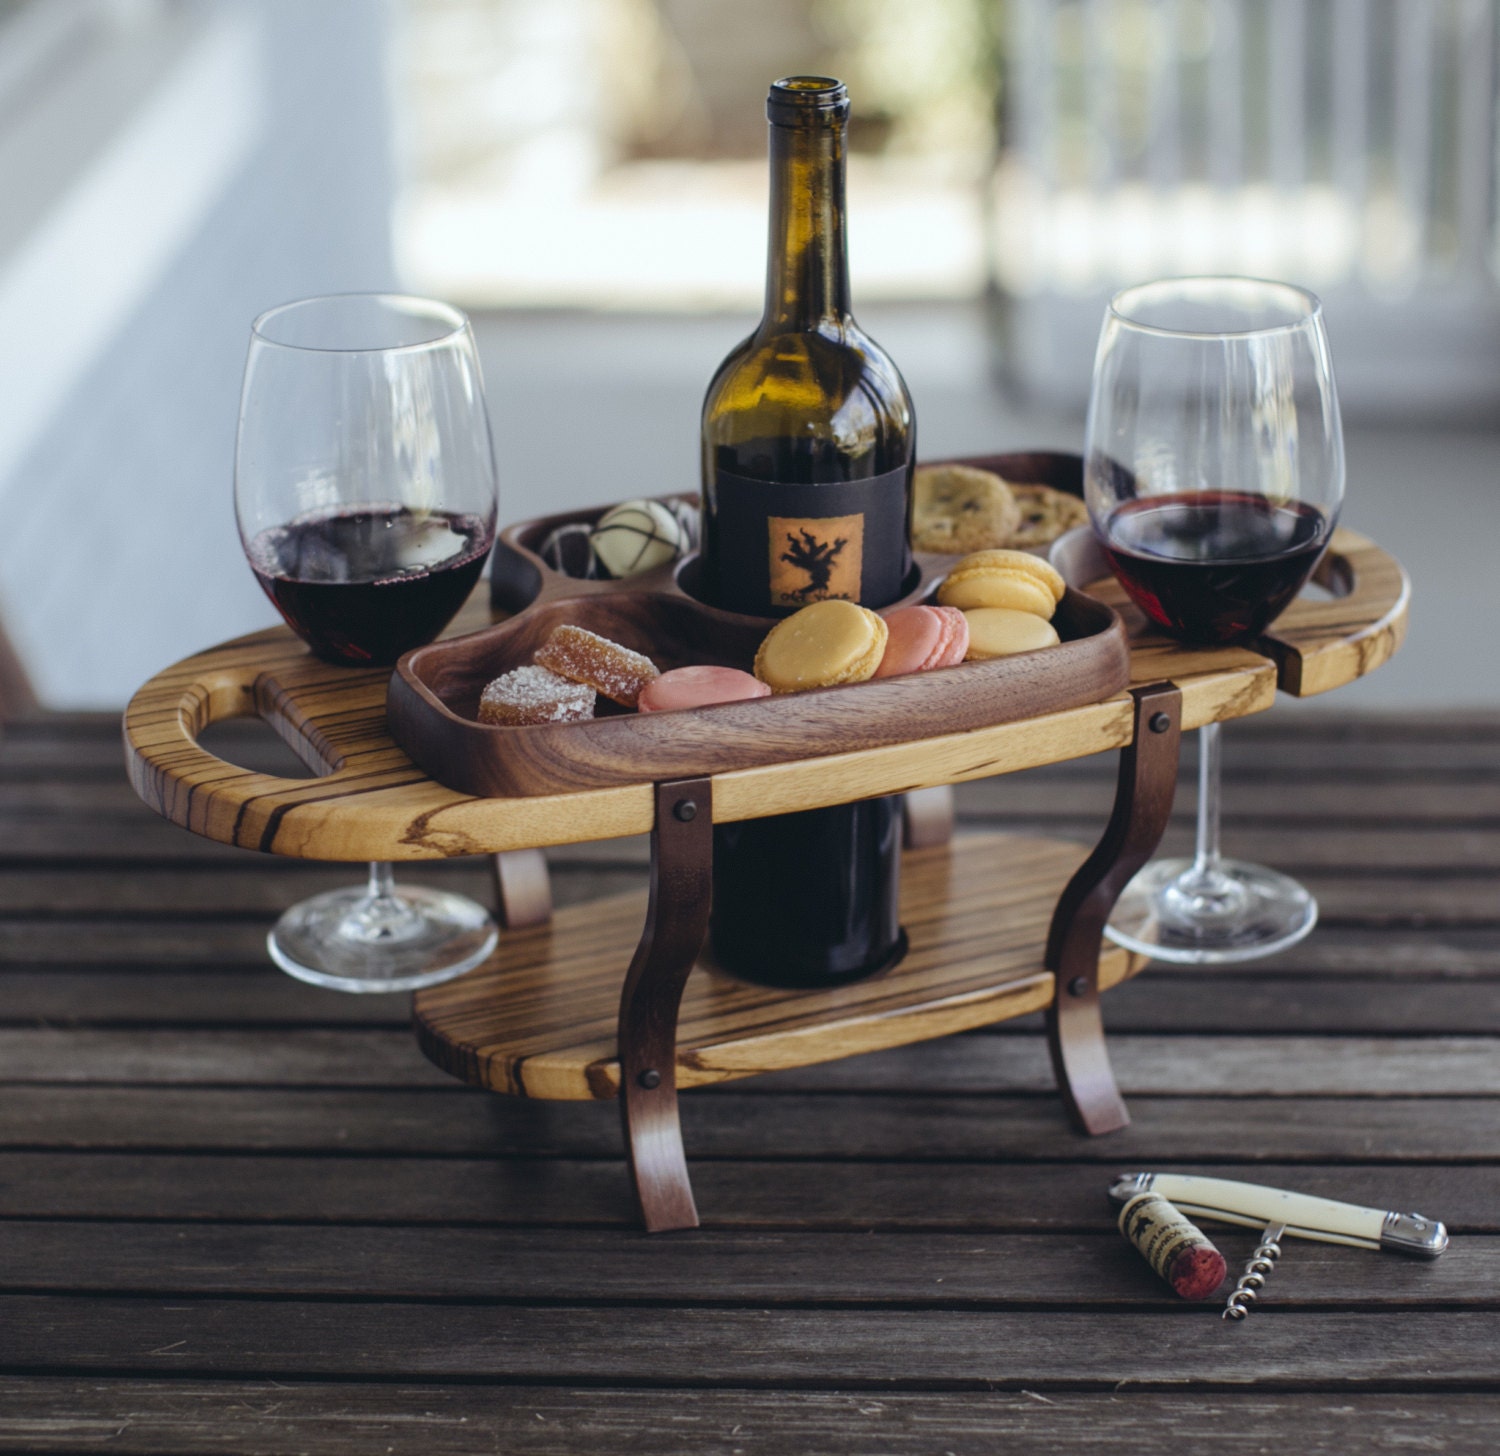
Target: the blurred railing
(1349, 145)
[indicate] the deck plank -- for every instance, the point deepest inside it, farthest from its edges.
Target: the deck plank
(165, 1417)
(979, 1062)
(519, 1192)
(1371, 898)
(923, 1270)
(811, 1348)
(1273, 1000)
(240, 1214)
(457, 1121)
(515, 1191)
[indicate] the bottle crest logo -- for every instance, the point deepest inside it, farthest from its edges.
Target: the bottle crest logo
(815, 558)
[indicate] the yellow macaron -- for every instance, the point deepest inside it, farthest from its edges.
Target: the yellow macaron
(1015, 580)
(1001, 631)
(821, 646)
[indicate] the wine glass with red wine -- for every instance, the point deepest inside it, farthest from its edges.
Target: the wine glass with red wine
(1214, 472)
(365, 489)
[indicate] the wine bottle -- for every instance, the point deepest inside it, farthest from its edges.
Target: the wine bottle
(808, 446)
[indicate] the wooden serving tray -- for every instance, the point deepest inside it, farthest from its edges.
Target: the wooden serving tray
(434, 693)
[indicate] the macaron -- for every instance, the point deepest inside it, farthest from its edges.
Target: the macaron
(1011, 579)
(958, 641)
(922, 638)
(699, 687)
(828, 643)
(1002, 631)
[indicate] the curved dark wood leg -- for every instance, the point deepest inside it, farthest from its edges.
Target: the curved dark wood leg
(682, 845)
(928, 817)
(1143, 802)
(523, 888)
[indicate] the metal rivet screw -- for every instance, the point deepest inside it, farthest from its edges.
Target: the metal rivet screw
(1160, 722)
(649, 1078)
(685, 810)
(1078, 986)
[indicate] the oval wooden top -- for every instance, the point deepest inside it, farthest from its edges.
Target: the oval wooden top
(370, 802)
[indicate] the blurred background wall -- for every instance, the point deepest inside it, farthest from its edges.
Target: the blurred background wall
(169, 171)
(587, 177)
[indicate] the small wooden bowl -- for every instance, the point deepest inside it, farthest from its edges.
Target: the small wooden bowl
(434, 693)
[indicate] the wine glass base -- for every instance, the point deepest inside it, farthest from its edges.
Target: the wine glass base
(347, 940)
(1241, 914)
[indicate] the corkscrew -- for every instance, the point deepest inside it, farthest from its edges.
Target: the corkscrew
(1279, 1213)
(1253, 1280)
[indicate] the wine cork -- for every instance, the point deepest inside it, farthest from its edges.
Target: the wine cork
(1172, 1246)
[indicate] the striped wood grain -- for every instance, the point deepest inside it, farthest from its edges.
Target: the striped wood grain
(1320, 645)
(369, 801)
(538, 1019)
(1315, 644)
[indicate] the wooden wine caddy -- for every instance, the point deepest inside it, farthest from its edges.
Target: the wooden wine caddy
(996, 925)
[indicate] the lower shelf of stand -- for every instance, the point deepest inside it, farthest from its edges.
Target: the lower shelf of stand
(538, 1018)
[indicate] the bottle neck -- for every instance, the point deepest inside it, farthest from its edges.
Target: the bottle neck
(807, 273)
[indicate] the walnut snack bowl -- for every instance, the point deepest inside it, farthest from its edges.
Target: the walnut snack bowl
(432, 702)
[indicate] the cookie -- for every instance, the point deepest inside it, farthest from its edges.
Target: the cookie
(821, 646)
(1000, 632)
(1011, 579)
(1044, 514)
(956, 508)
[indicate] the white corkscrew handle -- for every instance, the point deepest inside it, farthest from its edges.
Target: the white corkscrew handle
(1303, 1215)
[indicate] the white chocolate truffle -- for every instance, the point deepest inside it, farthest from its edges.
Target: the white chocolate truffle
(636, 536)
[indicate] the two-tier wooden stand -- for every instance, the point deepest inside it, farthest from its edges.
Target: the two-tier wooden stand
(998, 925)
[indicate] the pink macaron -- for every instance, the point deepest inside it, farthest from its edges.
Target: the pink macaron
(955, 637)
(922, 638)
(699, 687)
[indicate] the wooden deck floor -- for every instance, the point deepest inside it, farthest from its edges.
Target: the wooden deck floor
(243, 1215)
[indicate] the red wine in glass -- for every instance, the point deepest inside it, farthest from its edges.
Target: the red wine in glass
(370, 408)
(363, 585)
(1214, 566)
(1229, 382)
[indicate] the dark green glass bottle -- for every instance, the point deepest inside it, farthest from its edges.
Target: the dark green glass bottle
(808, 444)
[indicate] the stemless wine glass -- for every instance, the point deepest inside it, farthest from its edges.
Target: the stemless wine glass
(365, 490)
(1214, 472)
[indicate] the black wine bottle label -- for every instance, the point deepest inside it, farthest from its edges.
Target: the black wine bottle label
(781, 547)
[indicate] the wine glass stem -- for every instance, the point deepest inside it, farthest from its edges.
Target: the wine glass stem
(381, 916)
(382, 884)
(1206, 850)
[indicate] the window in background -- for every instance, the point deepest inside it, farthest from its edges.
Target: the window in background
(1347, 145)
(612, 152)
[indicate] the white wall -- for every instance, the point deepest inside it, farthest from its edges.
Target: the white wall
(227, 157)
